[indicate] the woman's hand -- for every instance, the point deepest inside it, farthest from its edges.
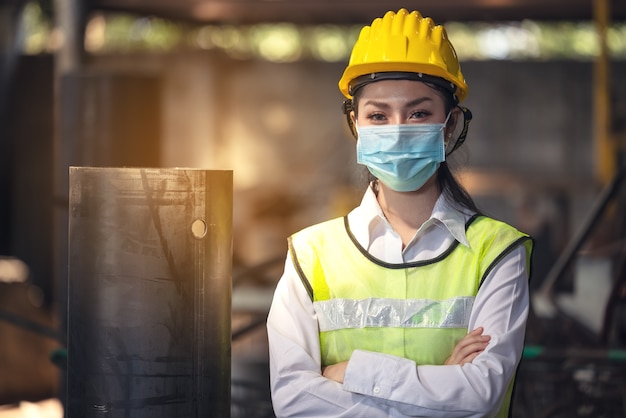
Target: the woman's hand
(335, 372)
(469, 347)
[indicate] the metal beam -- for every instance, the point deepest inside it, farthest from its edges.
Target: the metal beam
(355, 11)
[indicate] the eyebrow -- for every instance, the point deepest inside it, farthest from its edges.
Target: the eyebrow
(412, 103)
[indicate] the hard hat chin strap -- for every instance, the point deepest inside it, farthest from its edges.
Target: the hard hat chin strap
(467, 118)
(347, 108)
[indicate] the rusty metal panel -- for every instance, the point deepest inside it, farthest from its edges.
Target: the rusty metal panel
(149, 292)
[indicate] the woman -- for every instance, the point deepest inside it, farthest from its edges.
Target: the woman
(414, 304)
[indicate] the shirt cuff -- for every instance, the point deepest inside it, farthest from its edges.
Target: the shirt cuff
(373, 374)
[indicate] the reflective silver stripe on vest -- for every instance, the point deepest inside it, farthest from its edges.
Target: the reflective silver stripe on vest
(336, 314)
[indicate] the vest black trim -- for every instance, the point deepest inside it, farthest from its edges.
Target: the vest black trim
(398, 266)
(296, 264)
(507, 251)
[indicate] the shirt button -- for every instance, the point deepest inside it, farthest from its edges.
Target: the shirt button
(376, 390)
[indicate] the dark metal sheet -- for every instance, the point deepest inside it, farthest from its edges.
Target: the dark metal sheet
(149, 293)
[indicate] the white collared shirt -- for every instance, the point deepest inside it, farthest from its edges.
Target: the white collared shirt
(381, 385)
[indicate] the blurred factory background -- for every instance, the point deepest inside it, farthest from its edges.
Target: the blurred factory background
(251, 86)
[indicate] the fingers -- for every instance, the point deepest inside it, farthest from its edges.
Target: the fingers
(335, 372)
(469, 358)
(476, 331)
(469, 347)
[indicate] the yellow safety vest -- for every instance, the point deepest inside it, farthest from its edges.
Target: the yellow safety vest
(416, 310)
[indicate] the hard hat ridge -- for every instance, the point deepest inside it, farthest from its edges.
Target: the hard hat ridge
(404, 42)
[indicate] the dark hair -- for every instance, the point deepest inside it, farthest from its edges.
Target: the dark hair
(454, 192)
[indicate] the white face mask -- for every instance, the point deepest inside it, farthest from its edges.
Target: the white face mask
(403, 157)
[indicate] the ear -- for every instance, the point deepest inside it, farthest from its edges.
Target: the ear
(348, 110)
(467, 118)
(451, 125)
(352, 123)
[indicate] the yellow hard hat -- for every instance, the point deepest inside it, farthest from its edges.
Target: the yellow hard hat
(407, 43)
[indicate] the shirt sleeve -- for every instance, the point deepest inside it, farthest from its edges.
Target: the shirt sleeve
(473, 390)
(297, 386)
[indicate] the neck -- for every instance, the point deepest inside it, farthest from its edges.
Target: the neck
(407, 211)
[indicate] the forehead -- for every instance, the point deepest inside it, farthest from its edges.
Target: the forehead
(399, 90)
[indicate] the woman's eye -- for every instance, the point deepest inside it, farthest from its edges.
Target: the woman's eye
(376, 117)
(419, 115)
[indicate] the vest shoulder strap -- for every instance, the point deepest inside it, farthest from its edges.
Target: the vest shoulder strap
(494, 240)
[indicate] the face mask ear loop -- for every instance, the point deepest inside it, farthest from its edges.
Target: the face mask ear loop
(347, 108)
(467, 118)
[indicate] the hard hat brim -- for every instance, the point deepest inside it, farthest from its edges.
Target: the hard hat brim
(411, 71)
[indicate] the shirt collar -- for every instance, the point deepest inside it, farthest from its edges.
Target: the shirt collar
(451, 218)
(443, 215)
